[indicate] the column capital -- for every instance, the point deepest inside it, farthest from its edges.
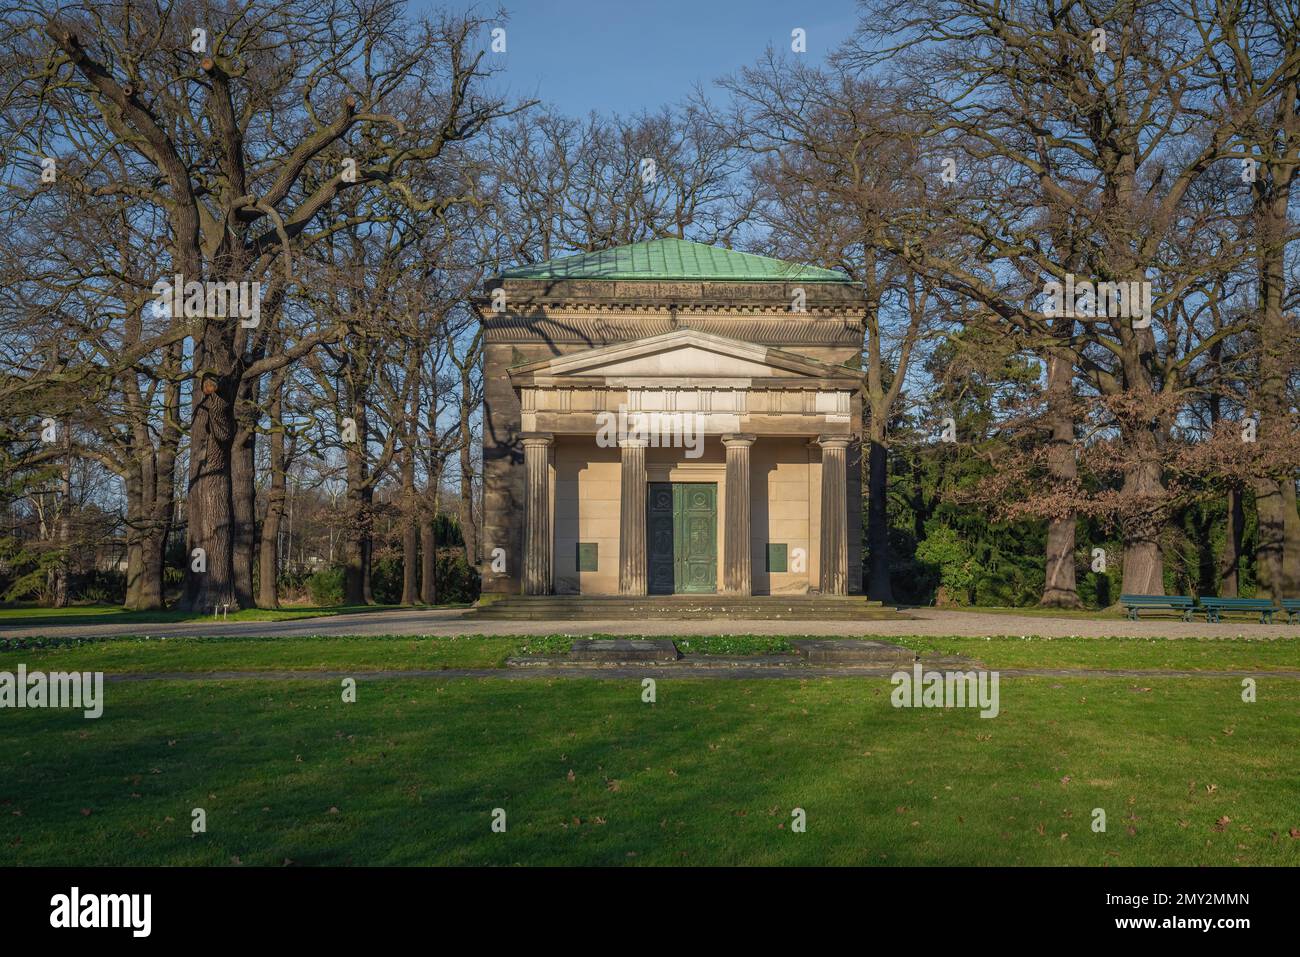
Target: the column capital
(834, 441)
(633, 443)
(536, 438)
(738, 439)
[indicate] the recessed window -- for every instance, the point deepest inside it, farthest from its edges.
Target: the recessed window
(588, 556)
(776, 557)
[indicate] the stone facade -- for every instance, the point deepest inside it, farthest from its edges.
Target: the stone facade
(741, 441)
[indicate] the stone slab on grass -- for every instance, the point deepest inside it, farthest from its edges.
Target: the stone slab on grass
(617, 650)
(852, 651)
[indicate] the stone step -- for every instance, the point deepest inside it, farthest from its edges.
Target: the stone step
(582, 607)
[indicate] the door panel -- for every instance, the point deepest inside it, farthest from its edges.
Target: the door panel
(682, 538)
(659, 539)
(696, 506)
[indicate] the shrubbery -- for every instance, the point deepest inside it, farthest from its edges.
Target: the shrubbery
(326, 587)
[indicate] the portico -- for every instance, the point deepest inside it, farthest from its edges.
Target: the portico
(698, 458)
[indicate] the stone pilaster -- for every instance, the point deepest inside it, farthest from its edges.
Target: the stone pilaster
(632, 518)
(737, 575)
(835, 537)
(537, 512)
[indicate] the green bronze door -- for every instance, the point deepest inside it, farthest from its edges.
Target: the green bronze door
(660, 539)
(682, 538)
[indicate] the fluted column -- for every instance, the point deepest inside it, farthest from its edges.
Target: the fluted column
(632, 519)
(737, 575)
(835, 537)
(537, 512)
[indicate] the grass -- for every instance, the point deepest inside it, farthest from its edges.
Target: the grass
(373, 653)
(587, 773)
(21, 616)
(1172, 654)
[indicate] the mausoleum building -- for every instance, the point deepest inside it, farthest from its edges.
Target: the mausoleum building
(670, 417)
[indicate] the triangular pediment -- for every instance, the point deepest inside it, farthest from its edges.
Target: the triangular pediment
(683, 354)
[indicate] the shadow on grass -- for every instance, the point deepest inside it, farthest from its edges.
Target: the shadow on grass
(588, 773)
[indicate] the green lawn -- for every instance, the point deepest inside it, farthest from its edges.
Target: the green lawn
(125, 655)
(1173, 654)
(589, 774)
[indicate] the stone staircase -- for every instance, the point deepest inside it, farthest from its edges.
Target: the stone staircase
(683, 607)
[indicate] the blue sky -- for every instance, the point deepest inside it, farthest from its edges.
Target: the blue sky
(626, 56)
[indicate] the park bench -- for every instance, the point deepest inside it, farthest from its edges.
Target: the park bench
(1182, 604)
(1292, 608)
(1215, 607)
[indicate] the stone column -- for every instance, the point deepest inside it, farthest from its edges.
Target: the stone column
(737, 575)
(537, 512)
(632, 518)
(835, 532)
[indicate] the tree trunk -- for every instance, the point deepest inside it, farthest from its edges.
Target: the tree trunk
(1144, 567)
(159, 491)
(209, 500)
(268, 595)
(148, 530)
(428, 564)
(468, 530)
(135, 519)
(243, 488)
(354, 537)
(411, 525)
(1278, 553)
(1278, 550)
(356, 530)
(1060, 589)
(368, 548)
(63, 525)
(428, 538)
(209, 544)
(154, 556)
(1230, 560)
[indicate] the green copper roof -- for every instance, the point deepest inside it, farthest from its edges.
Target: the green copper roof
(668, 259)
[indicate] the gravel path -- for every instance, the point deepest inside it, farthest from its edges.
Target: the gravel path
(444, 622)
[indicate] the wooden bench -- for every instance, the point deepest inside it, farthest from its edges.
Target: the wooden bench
(1292, 608)
(1182, 604)
(1215, 607)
